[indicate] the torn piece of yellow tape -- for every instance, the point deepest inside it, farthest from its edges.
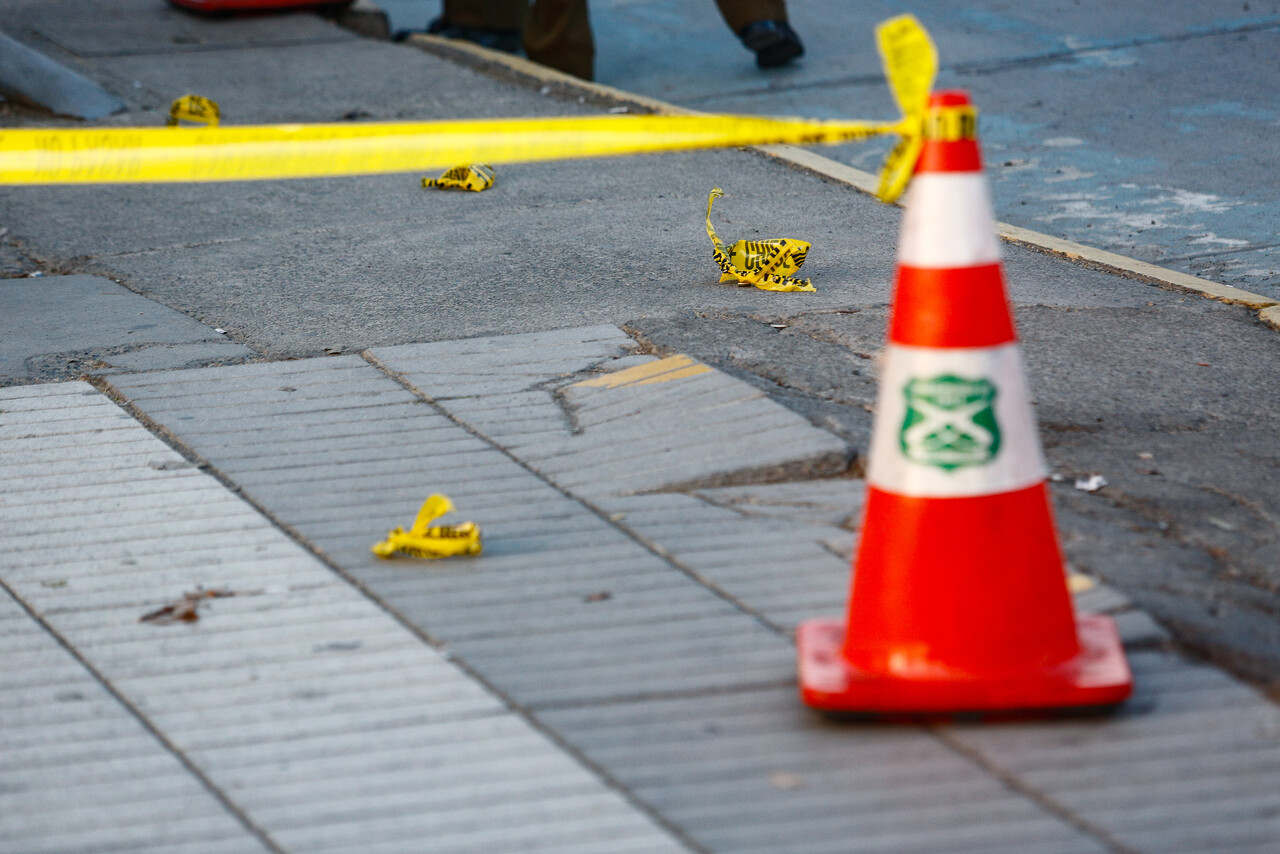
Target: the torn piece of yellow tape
(262, 152)
(427, 541)
(476, 177)
(770, 265)
(194, 108)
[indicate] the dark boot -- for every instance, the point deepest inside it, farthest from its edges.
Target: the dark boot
(774, 42)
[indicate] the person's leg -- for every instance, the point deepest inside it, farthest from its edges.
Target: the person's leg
(558, 33)
(762, 26)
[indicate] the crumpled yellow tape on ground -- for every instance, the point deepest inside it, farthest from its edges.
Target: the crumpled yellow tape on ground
(474, 177)
(422, 540)
(767, 264)
(194, 108)
(245, 153)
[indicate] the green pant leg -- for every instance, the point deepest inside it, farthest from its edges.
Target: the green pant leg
(558, 33)
(486, 14)
(738, 13)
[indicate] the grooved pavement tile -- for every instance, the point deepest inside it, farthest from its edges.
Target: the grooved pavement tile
(297, 697)
(545, 555)
(779, 567)
(658, 429)
(342, 508)
(110, 787)
(753, 771)
(523, 613)
(1193, 759)
(1184, 722)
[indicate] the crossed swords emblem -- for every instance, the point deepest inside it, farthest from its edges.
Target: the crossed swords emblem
(944, 428)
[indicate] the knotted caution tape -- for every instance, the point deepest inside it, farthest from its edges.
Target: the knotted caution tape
(474, 177)
(247, 153)
(767, 264)
(422, 540)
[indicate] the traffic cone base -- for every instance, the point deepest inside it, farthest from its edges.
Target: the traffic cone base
(1098, 675)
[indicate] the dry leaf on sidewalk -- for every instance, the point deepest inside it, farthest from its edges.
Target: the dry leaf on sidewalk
(183, 610)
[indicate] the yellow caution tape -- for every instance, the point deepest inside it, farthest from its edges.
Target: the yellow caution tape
(241, 153)
(432, 542)
(194, 108)
(475, 177)
(767, 264)
(245, 153)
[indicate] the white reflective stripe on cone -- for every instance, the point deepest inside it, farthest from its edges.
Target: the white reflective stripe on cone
(954, 422)
(948, 222)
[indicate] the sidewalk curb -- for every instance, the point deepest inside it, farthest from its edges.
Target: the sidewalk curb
(517, 69)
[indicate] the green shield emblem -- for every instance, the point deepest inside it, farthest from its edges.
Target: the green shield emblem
(950, 422)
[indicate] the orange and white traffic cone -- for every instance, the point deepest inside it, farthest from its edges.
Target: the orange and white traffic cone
(959, 599)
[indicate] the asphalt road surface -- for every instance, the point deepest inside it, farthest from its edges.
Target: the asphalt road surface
(1146, 128)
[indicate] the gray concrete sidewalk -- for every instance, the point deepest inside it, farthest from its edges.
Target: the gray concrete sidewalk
(295, 715)
(627, 671)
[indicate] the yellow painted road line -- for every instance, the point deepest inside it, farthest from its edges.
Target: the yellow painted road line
(661, 371)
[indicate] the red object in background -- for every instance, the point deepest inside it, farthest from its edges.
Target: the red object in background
(253, 5)
(959, 600)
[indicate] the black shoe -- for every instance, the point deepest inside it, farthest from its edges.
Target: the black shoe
(774, 42)
(504, 40)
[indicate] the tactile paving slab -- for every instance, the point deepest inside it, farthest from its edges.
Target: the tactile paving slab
(658, 647)
(324, 721)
